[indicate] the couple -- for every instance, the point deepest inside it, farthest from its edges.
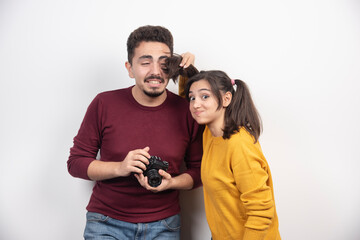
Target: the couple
(131, 127)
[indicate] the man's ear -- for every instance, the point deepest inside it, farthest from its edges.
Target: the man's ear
(226, 99)
(128, 67)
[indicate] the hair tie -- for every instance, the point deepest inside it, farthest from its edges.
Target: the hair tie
(233, 82)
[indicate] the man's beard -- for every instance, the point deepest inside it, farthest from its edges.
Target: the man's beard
(153, 94)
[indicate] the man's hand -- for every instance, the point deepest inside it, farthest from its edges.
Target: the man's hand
(134, 162)
(187, 59)
(165, 183)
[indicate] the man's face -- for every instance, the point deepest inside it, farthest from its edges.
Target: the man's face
(147, 64)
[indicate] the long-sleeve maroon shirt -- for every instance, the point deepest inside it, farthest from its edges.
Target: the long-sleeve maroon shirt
(116, 124)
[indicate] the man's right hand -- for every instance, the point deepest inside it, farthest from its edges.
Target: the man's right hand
(134, 162)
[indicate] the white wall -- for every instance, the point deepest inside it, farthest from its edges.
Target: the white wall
(301, 60)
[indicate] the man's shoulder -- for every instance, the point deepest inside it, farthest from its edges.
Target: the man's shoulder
(114, 92)
(111, 94)
(176, 98)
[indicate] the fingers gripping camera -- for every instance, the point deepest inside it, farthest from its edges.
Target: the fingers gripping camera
(152, 170)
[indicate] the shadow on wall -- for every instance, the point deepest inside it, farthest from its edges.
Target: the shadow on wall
(193, 218)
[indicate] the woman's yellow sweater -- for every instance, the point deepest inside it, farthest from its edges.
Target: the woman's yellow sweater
(238, 189)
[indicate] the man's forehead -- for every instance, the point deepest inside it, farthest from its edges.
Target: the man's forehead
(152, 49)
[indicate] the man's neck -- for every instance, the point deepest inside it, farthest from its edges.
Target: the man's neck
(146, 100)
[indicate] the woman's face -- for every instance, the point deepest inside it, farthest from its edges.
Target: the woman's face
(204, 104)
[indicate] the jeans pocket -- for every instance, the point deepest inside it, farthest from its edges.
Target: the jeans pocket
(172, 223)
(96, 217)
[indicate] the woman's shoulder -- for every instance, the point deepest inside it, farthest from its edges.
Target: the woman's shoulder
(244, 143)
(243, 136)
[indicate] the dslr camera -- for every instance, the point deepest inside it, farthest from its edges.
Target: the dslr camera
(152, 170)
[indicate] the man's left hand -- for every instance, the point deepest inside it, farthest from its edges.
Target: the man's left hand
(165, 183)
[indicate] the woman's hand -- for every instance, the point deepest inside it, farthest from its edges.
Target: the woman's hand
(187, 59)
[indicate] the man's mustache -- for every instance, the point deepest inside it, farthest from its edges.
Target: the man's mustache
(155, 77)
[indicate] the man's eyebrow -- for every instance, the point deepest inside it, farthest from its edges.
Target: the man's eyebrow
(163, 57)
(150, 57)
(146, 57)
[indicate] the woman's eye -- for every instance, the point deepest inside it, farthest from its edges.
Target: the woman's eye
(205, 97)
(191, 98)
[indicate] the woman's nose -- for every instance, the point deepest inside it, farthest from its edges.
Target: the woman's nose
(196, 103)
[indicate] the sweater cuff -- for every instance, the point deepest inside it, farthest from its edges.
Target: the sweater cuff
(195, 176)
(252, 234)
(79, 168)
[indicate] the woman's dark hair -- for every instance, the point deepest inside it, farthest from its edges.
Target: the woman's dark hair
(173, 68)
(241, 112)
(148, 34)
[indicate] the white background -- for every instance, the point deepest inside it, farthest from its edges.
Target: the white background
(301, 60)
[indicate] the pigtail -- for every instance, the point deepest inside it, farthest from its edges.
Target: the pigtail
(242, 112)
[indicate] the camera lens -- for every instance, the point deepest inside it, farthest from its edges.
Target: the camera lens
(154, 179)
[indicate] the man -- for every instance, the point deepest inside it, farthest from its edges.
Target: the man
(128, 126)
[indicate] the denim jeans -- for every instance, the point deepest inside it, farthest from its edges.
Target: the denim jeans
(100, 227)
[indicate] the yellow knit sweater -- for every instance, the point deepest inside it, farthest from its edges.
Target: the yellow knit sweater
(238, 189)
(182, 84)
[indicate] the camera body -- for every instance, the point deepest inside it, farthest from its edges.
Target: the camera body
(152, 170)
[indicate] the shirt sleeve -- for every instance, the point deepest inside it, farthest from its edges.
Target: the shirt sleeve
(194, 152)
(253, 181)
(87, 142)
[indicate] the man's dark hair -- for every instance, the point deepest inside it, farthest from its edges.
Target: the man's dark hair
(148, 34)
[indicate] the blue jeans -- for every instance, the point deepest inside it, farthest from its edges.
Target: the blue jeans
(100, 227)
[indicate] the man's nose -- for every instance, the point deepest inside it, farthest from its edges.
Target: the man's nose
(156, 69)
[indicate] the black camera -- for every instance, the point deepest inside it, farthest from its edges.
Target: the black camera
(152, 170)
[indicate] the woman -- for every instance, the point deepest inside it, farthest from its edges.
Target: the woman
(238, 189)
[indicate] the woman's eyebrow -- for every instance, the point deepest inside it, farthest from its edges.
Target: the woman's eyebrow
(202, 89)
